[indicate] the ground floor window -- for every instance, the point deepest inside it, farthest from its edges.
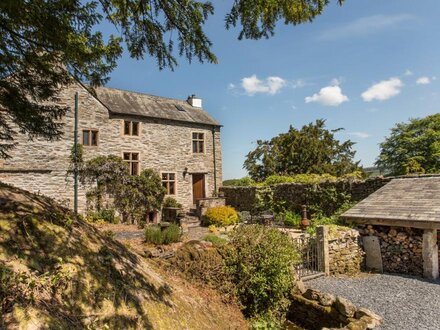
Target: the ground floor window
(132, 158)
(169, 182)
(90, 137)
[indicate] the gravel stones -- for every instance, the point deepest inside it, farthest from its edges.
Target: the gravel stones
(406, 303)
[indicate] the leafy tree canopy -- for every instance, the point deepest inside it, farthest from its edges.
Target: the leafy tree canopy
(412, 147)
(312, 149)
(43, 43)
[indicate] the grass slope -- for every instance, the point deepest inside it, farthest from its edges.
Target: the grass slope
(59, 273)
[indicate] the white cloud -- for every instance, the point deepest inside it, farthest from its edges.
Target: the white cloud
(365, 26)
(271, 85)
(383, 90)
(408, 72)
(425, 80)
(298, 83)
(329, 96)
(362, 135)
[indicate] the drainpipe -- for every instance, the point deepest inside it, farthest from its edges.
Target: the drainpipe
(75, 169)
(215, 164)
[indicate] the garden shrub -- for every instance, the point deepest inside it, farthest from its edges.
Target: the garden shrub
(277, 179)
(134, 196)
(292, 219)
(171, 202)
(215, 240)
(262, 267)
(335, 219)
(155, 235)
(103, 216)
(221, 216)
(206, 266)
(171, 234)
(213, 229)
(243, 182)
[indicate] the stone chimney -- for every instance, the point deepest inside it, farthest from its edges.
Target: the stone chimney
(194, 101)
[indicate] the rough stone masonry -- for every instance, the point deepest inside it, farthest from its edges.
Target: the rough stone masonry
(163, 144)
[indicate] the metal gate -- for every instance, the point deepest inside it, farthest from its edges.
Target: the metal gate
(311, 263)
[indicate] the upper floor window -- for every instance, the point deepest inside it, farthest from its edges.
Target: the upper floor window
(90, 137)
(169, 182)
(132, 158)
(131, 128)
(198, 142)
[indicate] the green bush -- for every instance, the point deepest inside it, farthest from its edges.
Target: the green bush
(292, 219)
(334, 219)
(154, 234)
(215, 240)
(262, 267)
(104, 215)
(171, 202)
(243, 182)
(220, 216)
(171, 234)
(277, 179)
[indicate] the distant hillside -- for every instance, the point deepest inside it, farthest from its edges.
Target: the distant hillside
(58, 273)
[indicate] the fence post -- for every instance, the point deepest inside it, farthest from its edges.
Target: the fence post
(323, 252)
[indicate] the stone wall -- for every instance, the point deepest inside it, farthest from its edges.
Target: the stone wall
(205, 203)
(295, 194)
(318, 310)
(165, 146)
(240, 198)
(346, 255)
(401, 248)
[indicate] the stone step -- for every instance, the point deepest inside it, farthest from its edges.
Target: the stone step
(191, 221)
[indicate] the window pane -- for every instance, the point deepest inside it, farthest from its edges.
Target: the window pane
(194, 135)
(134, 156)
(194, 146)
(200, 136)
(94, 138)
(172, 188)
(171, 176)
(134, 168)
(164, 176)
(201, 146)
(165, 185)
(127, 127)
(126, 156)
(135, 128)
(86, 138)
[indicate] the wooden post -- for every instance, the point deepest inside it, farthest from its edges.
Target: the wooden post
(323, 250)
(430, 254)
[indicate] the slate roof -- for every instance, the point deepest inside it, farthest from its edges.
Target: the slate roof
(132, 103)
(408, 199)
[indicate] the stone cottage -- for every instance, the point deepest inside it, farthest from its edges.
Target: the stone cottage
(176, 138)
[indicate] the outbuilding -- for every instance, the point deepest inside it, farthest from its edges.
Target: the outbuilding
(408, 202)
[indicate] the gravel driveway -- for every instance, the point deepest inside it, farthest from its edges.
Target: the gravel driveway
(406, 303)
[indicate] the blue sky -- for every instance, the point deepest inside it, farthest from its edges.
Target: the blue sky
(364, 66)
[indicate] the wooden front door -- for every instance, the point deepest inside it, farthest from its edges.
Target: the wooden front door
(198, 187)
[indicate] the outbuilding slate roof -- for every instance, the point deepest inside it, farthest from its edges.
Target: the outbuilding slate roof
(414, 199)
(138, 104)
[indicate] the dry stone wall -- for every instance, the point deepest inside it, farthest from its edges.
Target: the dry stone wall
(295, 194)
(319, 310)
(346, 255)
(165, 146)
